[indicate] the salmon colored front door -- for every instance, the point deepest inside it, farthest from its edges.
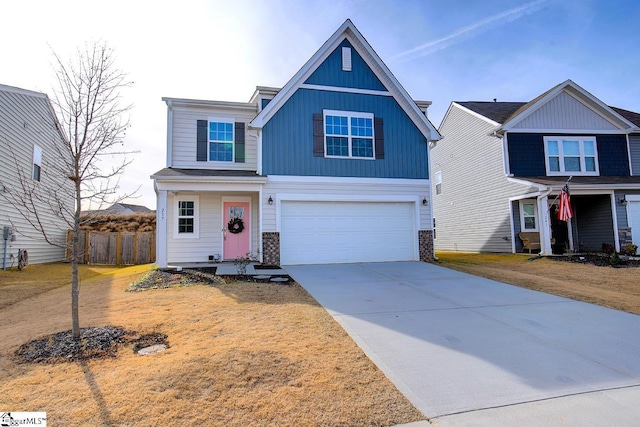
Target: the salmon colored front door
(236, 235)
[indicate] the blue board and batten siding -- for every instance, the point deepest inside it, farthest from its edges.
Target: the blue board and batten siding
(526, 154)
(288, 138)
(330, 72)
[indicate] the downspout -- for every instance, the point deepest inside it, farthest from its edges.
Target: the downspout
(169, 133)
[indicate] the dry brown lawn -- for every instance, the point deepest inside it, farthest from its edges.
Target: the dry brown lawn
(617, 288)
(240, 354)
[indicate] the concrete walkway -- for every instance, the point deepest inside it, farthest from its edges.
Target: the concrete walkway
(471, 351)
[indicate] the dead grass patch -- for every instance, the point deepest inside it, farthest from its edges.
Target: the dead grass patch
(616, 288)
(241, 354)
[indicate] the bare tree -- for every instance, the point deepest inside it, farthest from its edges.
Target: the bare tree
(92, 120)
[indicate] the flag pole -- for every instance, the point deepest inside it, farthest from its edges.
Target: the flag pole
(558, 195)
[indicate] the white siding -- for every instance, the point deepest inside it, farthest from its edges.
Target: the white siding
(565, 112)
(349, 189)
(472, 212)
(209, 241)
(26, 120)
(184, 135)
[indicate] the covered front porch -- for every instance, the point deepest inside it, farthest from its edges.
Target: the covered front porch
(594, 224)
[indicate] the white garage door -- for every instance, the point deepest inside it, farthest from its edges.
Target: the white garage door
(634, 222)
(341, 232)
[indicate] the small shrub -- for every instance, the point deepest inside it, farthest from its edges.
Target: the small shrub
(614, 259)
(242, 262)
(629, 249)
(607, 249)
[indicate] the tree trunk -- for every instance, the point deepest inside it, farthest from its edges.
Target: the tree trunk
(75, 259)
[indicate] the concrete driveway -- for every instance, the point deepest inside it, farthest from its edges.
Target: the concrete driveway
(471, 351)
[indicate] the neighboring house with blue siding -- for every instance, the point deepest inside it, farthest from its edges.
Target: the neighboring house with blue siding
(333, 167)
(500, 166)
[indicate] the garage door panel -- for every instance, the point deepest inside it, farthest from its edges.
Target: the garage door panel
(334, 232)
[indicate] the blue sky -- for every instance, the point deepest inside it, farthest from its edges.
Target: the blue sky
(439, 50)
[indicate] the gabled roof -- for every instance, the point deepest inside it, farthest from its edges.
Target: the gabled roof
(508, 114)
(350, 32)
(499, 112)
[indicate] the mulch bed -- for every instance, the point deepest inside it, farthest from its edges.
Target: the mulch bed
(94, 343)
(599, 260)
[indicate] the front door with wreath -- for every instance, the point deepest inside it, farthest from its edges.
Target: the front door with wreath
(235, 232)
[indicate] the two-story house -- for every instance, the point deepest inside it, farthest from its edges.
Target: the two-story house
(333, 167)
(500, 166)
(32, 189)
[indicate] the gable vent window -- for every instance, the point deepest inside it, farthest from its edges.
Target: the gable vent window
(346, 59)
(438, 182)
(37, 162)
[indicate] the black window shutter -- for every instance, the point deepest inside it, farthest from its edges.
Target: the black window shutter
(239, 142)
(378, 129)
(318, 135)
(201, 150)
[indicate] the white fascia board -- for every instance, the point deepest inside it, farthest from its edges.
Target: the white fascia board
(474, 114)
(347, 180)
(350, 32)
(601, 108)
(208, 187)
(570, 131)
(525, 196)
(211, 179)
(346, 90)
(541, 187)
(169, 133)
(183, 102)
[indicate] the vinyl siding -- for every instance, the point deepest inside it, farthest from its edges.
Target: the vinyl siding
(330, 73)
(183, 153)
(352, 190)
(288, 139)
(565, 112)
(634, 147)
(621, 209)
(526, 154)
(593, 221)
(26, 120)
(209, 241)
(472, 212)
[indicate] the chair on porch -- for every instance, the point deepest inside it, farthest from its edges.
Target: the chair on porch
(531, 240)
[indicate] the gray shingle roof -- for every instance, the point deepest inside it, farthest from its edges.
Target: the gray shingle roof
(173, 172)
(497, 111)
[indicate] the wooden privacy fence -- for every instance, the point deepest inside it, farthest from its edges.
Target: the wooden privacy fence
(114, 248)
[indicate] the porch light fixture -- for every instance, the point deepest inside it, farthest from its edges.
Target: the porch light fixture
(623, 200)
(424, 201)
(270, 200)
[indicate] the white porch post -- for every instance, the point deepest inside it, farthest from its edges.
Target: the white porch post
(545, 225)
(161, 229)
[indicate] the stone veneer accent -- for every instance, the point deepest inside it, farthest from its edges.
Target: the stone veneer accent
(271, 248)
(624, 235)
(425, 245)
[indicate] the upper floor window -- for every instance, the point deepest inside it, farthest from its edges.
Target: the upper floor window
(37, 162)
(438, 181)
(220, 141)
(575, 155)
(349, 134)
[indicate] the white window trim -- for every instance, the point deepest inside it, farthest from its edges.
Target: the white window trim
(535, 213)
(581, 140)
(233, 140)
(349, 115)
(37, 160)
(196, 216)
(437, 180)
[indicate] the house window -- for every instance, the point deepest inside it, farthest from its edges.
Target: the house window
(528, 215)
(348, 134)
(220, 141)
(571, 155)
(187, 218)
(37, 162)
(438, 182)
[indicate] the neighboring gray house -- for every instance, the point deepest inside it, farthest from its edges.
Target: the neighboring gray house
(30, 162)
(500, 165)
(125, 209)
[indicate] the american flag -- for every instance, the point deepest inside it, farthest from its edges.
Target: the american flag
(564, 211)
